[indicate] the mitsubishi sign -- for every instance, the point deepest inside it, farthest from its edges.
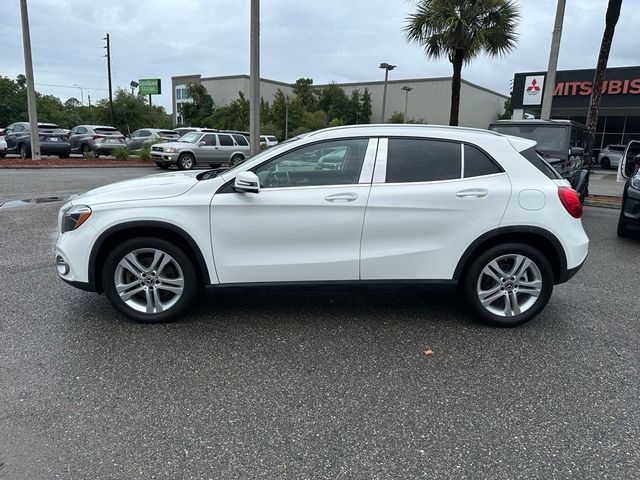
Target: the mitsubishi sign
(572, 91)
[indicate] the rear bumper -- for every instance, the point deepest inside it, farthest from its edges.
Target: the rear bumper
(568, 273)
(54, 148)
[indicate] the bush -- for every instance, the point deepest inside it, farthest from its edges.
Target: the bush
(145, 153)
(90, 155)
(121, 153)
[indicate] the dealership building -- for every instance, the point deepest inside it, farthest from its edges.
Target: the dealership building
(619, 116)
(428, 99)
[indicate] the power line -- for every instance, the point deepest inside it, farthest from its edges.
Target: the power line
(69, 86)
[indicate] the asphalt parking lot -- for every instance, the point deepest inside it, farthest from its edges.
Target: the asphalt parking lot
(300, 383)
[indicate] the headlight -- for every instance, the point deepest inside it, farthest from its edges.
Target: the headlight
(635, 181)
(170, 149)
(74, 217)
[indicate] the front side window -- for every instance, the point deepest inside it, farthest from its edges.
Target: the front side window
(144, 133)
(421, 160)
(209, 140)
(82, 130)
(328, 163)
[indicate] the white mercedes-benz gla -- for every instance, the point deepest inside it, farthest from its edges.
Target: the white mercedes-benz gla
(403, 204)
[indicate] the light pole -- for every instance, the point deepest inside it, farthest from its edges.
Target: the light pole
(387, 67)
(133, 84)
(286, 117)
(406, 101)
(81, 94)
(254, 78)
(31, 91)
(550, 81)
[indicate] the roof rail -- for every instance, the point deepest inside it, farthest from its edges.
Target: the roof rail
(404, 126)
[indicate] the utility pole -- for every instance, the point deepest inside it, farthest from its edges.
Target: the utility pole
(406, 101)
(254, 70)
(286, 117)
(90, 115)
(550, 82)
(387, 67)
(31, 91)
(108, 55)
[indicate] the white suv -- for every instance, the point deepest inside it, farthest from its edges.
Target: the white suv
(401, 204)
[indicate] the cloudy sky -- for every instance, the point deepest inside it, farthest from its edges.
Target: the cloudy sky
(329, 40)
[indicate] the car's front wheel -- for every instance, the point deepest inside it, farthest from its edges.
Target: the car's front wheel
(150, 280)
(186, 161)
(24, 151)
(605, 163)
(508, 285)
(622, 229)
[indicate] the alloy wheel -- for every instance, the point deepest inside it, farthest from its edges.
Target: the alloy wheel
(149, 280)
(509, 285)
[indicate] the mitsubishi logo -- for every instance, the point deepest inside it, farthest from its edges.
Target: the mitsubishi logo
(533, 86)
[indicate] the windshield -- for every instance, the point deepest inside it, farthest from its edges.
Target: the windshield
(547, 138)
(191, 137)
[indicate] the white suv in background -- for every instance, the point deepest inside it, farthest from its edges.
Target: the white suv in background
(400, 204)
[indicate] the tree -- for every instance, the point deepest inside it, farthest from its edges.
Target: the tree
(397, 117)
(365, 107)
(200, 108)
(461, 30)
(611, 19)
(303, 89)
(131, 112)
(234, 116)
(333, 101)
(508, 111)
(13, 101)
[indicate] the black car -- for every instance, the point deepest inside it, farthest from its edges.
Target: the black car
(562, 143)
(53, 139)
(630, 170)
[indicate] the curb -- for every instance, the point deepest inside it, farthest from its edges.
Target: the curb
(35, 167)
(604, 201)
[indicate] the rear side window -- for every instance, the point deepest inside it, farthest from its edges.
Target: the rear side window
(477, 163)
(225, 140)
(240, 140)
(272, 139)
(418, 160)
(541, 164)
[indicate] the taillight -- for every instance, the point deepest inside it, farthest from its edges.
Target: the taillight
(571, 201)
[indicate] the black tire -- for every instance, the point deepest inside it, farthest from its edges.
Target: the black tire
(186, 161)
(175, 311)
(605, 163)
(24, 151)
(622, 229)
(163, 166)
(236, 159)
(2, 155)
(84, 149)
(474, 279)
(64, 155)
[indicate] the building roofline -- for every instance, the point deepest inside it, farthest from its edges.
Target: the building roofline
(542, 72)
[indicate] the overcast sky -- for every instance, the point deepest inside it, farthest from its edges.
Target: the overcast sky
(329, 40)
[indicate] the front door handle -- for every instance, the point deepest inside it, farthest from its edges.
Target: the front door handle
(341, 197)
(473, 193)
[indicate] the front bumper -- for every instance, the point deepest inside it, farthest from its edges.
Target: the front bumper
(162, 157)
(631, 207)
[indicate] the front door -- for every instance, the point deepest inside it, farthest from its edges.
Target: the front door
(206, 149)
(305, 224)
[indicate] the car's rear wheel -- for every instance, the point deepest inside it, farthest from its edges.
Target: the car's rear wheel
(150, 280)
(508, 285)
(236, 159)
(186, 161)
(605, 163)
(84, 149)
(24, 151)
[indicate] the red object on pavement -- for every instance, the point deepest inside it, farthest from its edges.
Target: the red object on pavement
(428, 351)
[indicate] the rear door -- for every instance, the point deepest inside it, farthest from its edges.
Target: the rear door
(430, 199)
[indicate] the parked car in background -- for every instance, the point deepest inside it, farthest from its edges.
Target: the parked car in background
(148, 136)
(53, 140)
(183, 130)
(629, 171)
(3, 144)
(268, 141)
(562, 143)
(400, 208)
(610, 156)
(99, 139)
(206, 147)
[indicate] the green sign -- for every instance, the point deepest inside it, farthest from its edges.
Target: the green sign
(149, 86)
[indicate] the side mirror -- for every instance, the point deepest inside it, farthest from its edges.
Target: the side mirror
(202, 144)
(576, 151)
(246, 182)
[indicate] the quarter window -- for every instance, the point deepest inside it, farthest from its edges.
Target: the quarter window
(241, 140)
(225, 140)
(476, 163)
(418, 160)
(328, 163)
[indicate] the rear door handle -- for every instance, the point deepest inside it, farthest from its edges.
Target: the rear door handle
(341, 197)
(473, 193)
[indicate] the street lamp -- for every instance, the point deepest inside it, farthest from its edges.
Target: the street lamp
(406, 101)
(133, 84)
(387, 67)
(81, 94)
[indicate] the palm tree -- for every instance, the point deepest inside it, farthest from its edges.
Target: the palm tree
(461, 30)
(611, 19)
